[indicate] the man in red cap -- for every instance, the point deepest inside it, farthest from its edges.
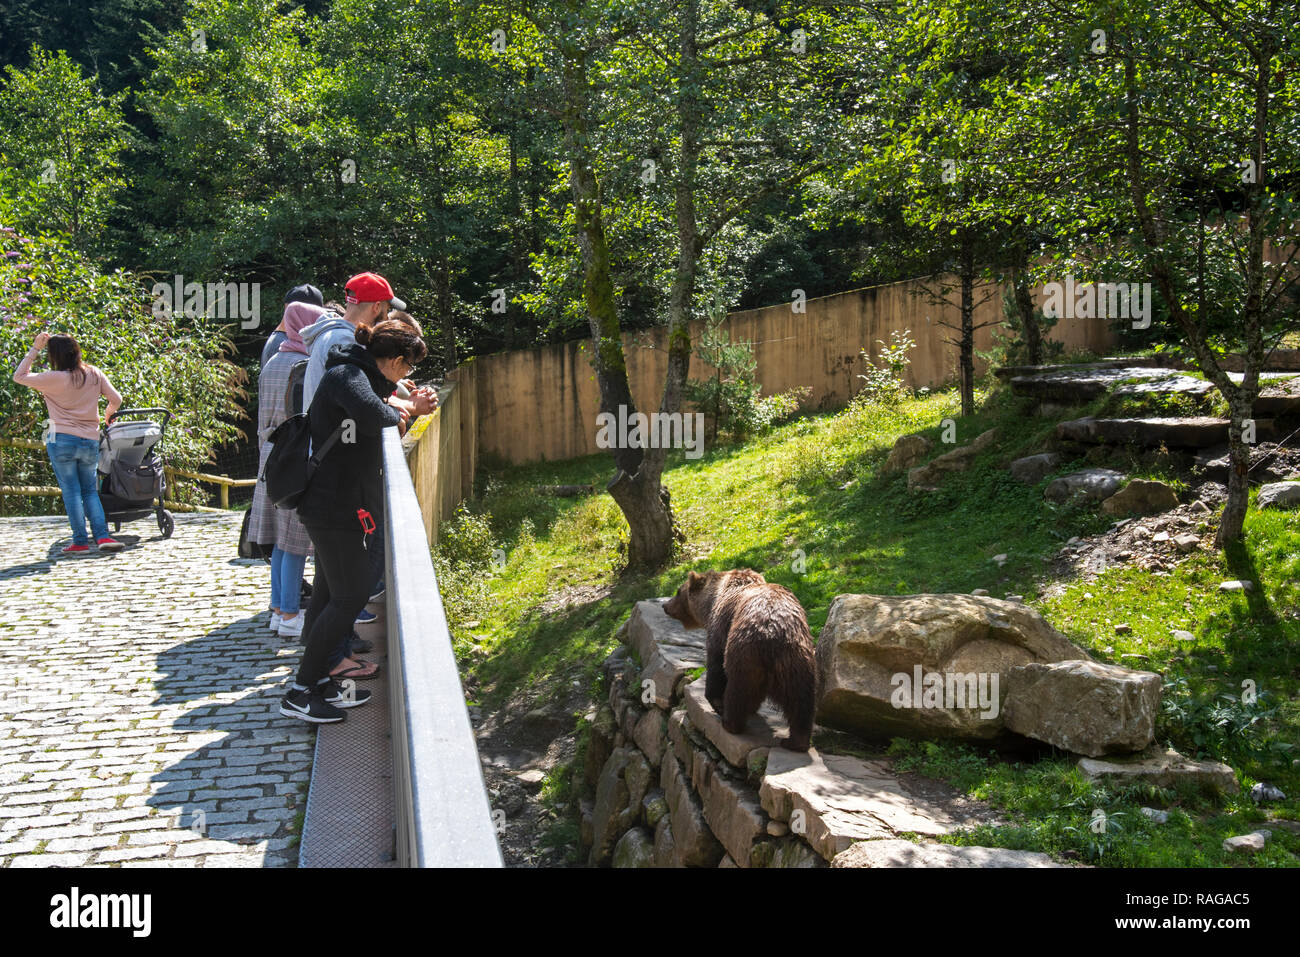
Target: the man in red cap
(368, 298)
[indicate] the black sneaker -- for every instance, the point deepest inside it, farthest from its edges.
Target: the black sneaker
(309, 707)
(335, 693)
(361, 645)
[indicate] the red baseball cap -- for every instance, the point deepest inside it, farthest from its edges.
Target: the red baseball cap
(371, 287)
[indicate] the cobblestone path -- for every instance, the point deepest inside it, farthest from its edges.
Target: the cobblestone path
(139, 719)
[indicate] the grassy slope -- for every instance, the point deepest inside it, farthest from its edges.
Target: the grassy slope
(813, 485)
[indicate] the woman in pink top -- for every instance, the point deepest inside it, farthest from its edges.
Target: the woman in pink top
(71, 391)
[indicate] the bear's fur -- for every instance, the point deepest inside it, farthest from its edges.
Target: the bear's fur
(758, 646)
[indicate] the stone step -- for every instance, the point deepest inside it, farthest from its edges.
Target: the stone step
(1079, 385)
(833, 800)
(899, 853)
(1279, 360)
(765, 729)
(1191, 432)
(1006, 373)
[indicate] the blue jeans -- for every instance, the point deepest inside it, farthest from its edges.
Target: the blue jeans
(74, 460)
(286, 580)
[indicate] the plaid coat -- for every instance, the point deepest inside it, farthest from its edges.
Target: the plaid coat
(270, 525)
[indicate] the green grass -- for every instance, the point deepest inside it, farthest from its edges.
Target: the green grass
(810, 496)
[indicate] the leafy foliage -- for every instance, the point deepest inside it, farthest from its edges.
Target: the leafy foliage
(170, 361)
(883, 383)
(64, 139)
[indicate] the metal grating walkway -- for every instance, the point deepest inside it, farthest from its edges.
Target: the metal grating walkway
(349, 819)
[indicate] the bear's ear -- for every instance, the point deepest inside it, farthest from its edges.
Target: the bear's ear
(695, 581)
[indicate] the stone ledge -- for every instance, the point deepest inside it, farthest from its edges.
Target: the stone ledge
(667, 650)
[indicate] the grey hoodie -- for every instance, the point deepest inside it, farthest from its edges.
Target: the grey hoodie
(320, 337)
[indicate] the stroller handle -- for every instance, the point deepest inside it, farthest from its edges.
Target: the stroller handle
(166, 416)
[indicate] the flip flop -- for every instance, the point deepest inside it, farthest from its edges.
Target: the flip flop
(356, 672)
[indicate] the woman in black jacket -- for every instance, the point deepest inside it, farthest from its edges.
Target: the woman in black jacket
(345, 499)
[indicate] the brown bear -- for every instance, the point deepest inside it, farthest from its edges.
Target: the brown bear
(758, 646)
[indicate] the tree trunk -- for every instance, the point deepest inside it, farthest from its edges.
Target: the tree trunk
(635, 486)
(1234, 513)
(1025, 306)
(967, 326)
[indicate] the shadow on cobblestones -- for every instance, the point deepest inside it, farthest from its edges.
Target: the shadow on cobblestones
(139, 720)
(55, 554)
(242, 784)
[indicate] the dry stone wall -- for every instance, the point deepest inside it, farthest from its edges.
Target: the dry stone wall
(670, 787)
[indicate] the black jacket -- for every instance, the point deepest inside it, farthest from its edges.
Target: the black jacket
(349, 474)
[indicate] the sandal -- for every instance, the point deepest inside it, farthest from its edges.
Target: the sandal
(358, 671)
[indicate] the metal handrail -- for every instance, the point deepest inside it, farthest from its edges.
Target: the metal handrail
(443, 817)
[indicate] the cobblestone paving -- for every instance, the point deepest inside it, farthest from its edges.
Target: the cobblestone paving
(139, 721)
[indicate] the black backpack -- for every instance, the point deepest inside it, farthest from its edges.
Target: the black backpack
(293, 390)
(289, 469)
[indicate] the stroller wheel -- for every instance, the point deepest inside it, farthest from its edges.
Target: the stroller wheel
(166, 524)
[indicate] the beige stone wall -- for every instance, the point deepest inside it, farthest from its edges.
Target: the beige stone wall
(541, 403)
(440, 453)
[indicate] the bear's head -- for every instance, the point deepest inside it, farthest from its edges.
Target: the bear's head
(687, 606)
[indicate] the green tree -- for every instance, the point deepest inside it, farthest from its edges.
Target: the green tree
(1167, 135)
(63, 140)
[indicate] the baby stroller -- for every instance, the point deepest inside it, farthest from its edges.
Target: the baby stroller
(132, 470)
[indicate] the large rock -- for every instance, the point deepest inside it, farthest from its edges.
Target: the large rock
(1279, 495)
(1083, 706)
(785, 852)
(1092, 485)
(1162, 767)
(665, 847)
(1032, 469)
(636, 848)
(693, 843)
(1141, 497)
(958, 460)
(907, 452)
(731, 807)
(650, 735)
(614, 811)
(833, 800)
(600, 743)
(667, 650)
(765, 729)
(871, 647)
(906, 854)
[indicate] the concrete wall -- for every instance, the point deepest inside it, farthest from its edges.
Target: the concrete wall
(541, 403)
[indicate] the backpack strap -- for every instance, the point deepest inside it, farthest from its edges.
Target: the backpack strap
(313, 463)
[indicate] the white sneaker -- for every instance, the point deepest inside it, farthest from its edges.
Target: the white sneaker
(291, 627)
(275, 621)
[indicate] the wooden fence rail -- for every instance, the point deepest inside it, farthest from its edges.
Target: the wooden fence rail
(223, 482)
